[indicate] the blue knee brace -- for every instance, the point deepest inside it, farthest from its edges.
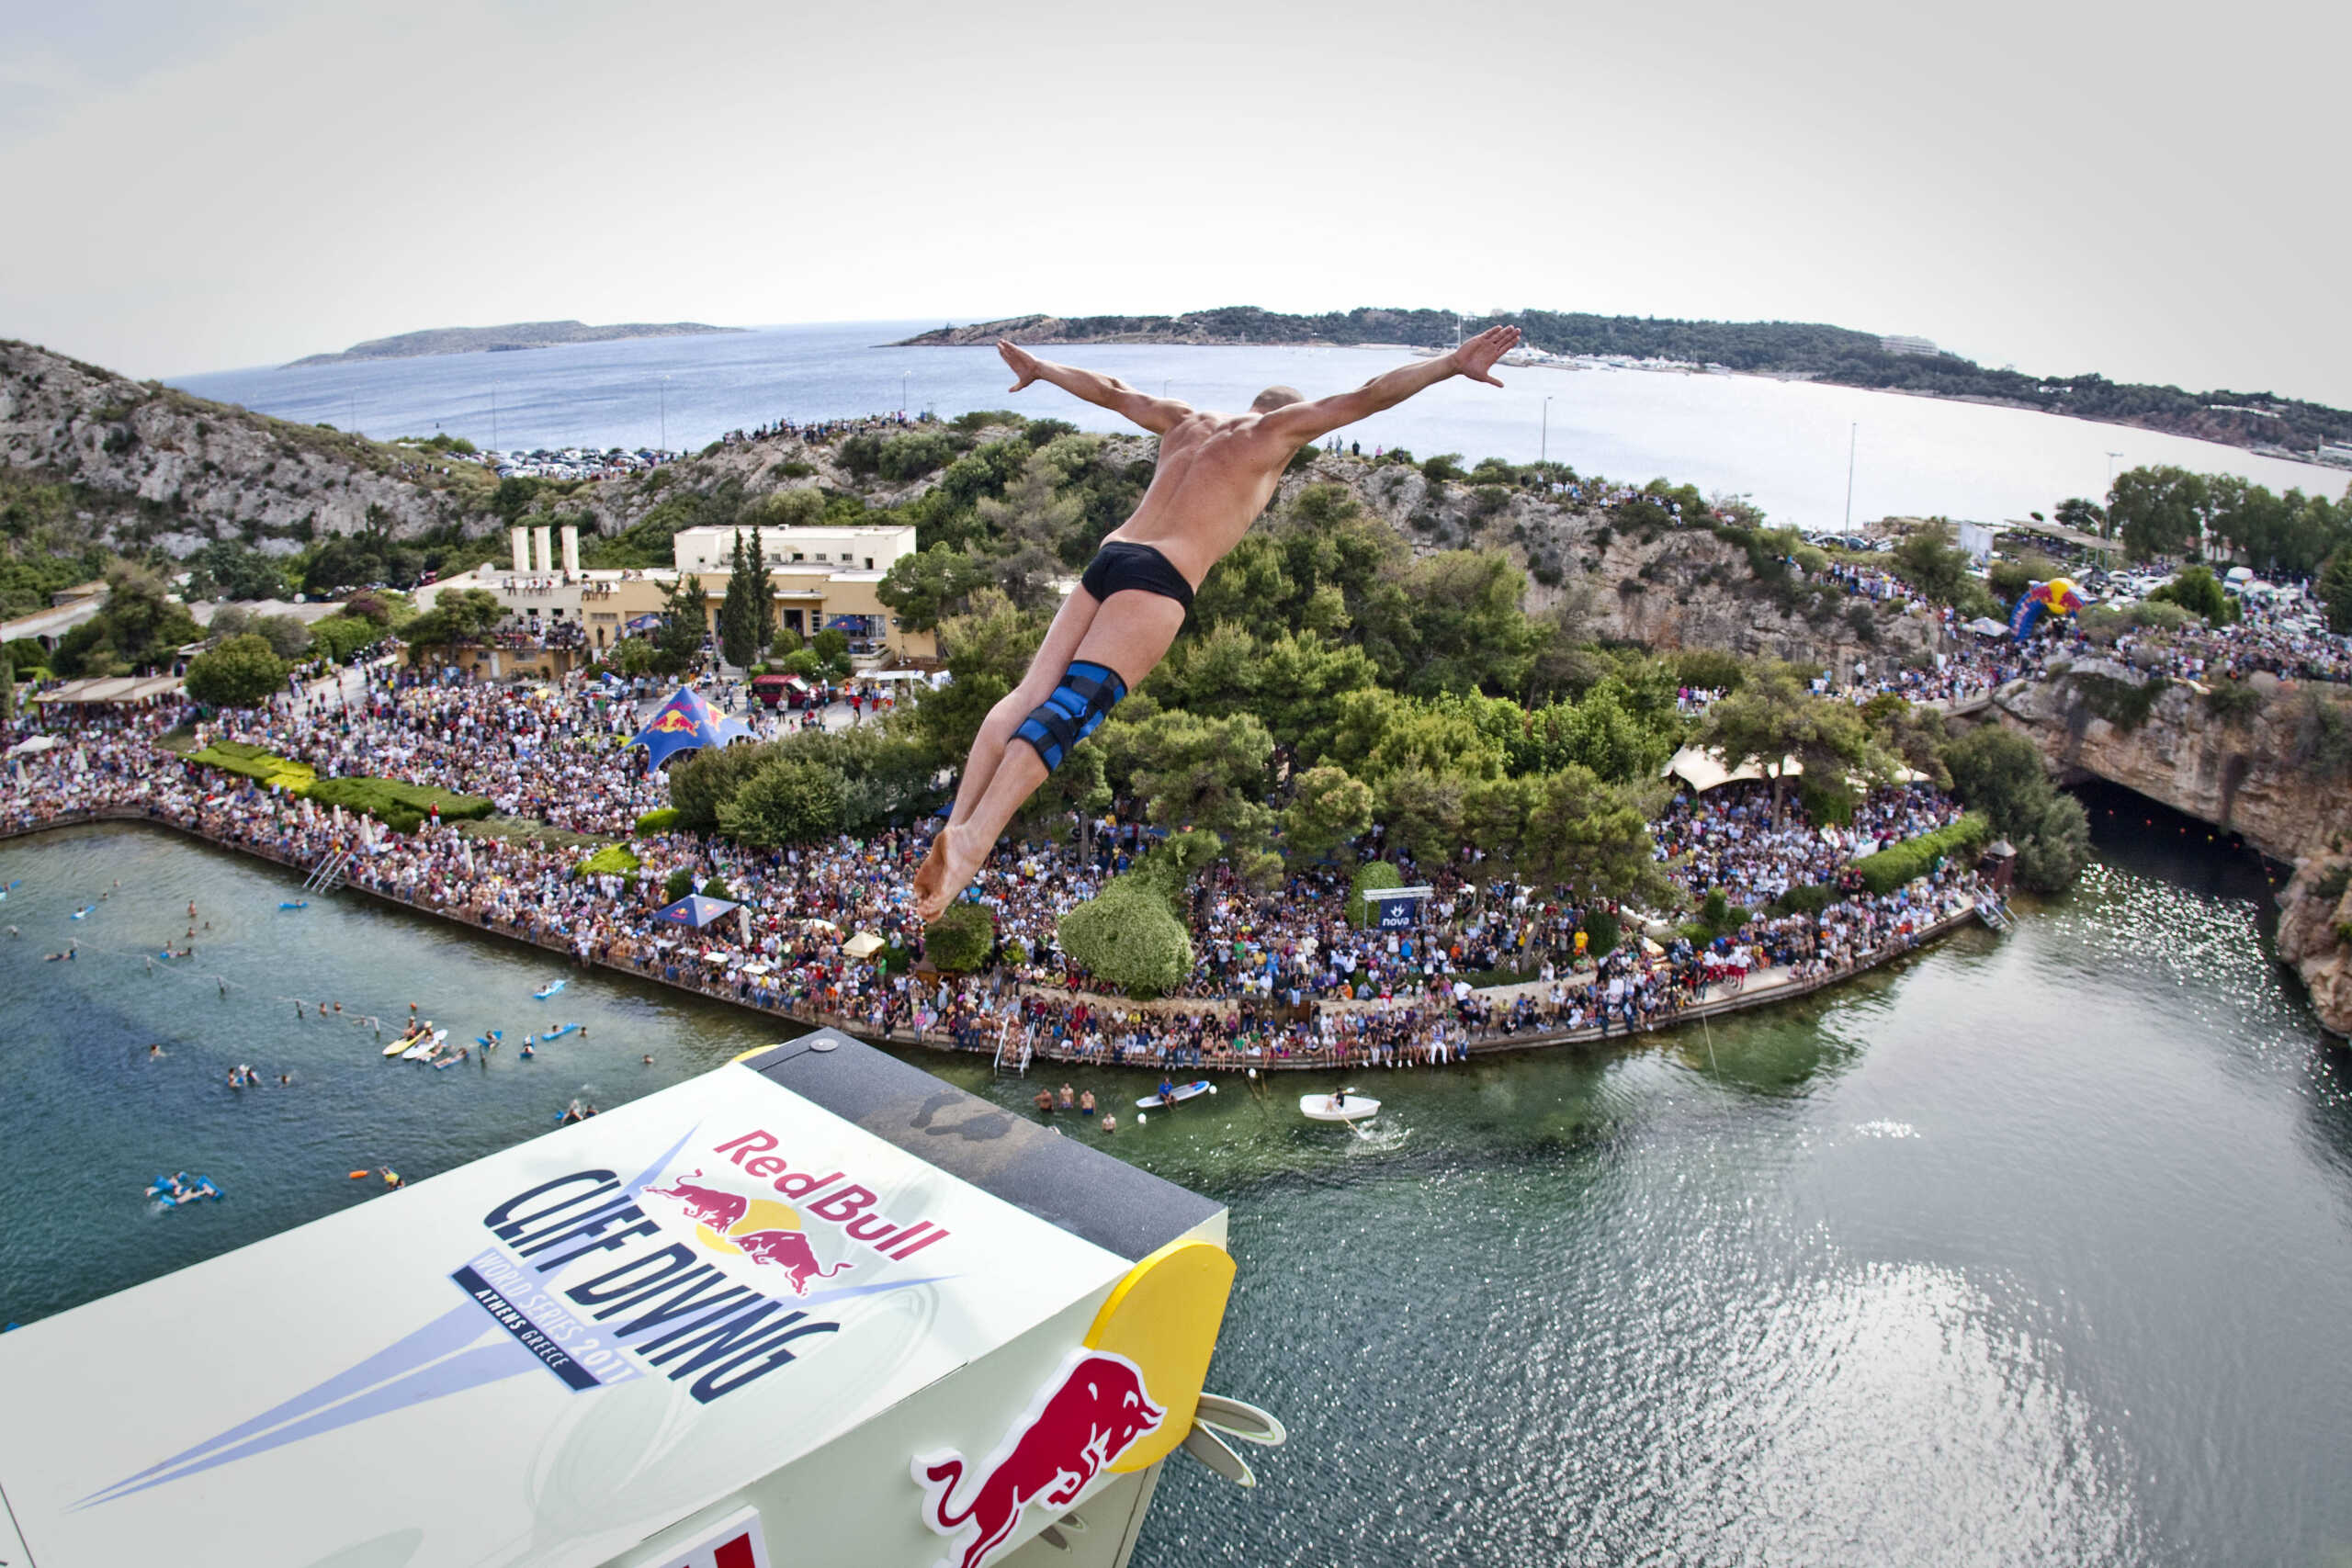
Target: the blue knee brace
(1076, 709)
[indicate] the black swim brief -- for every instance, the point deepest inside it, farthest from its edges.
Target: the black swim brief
(1119, 566)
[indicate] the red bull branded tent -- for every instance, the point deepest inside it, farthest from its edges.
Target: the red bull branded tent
(685, 723)
(816, 1307)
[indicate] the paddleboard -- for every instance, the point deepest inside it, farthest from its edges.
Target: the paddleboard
(426, 1046)
(1319, 1108)
(1183, 1092)
(544, 992)
(558, 1032)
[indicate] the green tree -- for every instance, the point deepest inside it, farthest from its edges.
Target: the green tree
(1328, 808)
(1774, 719)
(7, 689)
(1422, 811)
(702, 782)
(1999, 772)
(288, 637)
(1030, 522)
(226, 570)
(632, 656)
(960, 940)
(2157, 511)
(240, 674)
(1210, 774)
(926, 587)
(2057, 846)
(762, 597)
(2195, 589)
(1932, 564)
(788, 801)
(739, 642)
(1128, 936)
(1468, 633)
(2335, 589)
(678, 645)
(2083, 514)
(988, 651)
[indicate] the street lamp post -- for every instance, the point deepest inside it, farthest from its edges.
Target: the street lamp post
(2106, 510)
(1543, 445)
(1853, 439)
(902, 393)
(662, 387)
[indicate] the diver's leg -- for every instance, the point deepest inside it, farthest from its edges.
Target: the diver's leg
(1045, 669)
(1129, 637)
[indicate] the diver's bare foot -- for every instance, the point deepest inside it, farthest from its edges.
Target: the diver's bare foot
(933, 867)
(960, 862)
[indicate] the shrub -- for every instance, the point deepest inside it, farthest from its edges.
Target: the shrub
(401, 807)
(660, 821)
(789, 801)
(716, 889)
(613, 859)
(1808, 900)
(959, 940)
(240, 674)
(1372, 876)
(1129, 936)
(2051, 855)
(1892, 868)
(1601, 931)
(705, 781)
(2234, 702)
(2330, 884)
(2119, 703)
(679, 884)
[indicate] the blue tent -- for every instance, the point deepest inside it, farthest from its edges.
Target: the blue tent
(695, 911)
(685, 723)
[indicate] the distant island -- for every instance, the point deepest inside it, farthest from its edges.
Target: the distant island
(2264, 423)
(494, 340)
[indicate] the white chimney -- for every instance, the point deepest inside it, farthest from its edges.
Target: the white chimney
(543, 547)
(571, 549)
(521, 549)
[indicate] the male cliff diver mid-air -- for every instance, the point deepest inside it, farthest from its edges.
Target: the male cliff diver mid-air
(1215, 473)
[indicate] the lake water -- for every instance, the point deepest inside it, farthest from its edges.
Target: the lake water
(2035, 1250)
(1784, 444)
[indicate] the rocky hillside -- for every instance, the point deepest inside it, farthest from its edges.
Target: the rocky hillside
(2277, 776)
(148, 465)
(1667, 586)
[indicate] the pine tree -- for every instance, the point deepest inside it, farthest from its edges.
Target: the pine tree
(763, 598)
(679, 642)
(738, 614)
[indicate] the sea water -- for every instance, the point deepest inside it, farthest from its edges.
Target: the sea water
(2033, 1248)
(1785, 444)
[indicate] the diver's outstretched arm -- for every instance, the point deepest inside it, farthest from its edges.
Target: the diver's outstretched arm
(1157, 415)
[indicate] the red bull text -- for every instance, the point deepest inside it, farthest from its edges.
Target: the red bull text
(1078, 1423)
(831, 1198)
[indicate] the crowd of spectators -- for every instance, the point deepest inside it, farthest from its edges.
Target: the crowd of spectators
(1727, 839)
(1282, 977)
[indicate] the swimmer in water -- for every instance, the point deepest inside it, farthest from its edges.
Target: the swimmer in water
(649, 1059)
(154, 1053)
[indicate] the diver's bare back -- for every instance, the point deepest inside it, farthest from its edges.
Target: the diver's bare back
(1217, 471)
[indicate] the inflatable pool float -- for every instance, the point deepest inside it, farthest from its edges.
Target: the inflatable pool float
(544, 992)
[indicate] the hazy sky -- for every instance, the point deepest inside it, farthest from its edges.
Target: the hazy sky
(2156, 194)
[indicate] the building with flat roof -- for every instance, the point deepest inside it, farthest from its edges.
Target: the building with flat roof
(820, 578)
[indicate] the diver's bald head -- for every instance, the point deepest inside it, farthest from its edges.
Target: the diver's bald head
(1273, 397)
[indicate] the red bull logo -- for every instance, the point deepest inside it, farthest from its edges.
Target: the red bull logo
(769, 1233)
(1079, 1424)
(673, 721)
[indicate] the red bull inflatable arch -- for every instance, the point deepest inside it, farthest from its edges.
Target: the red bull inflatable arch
(765, 1317)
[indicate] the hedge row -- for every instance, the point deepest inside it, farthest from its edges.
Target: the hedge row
(658, 822)
(1373, 876)
(252, 763)
(401, 807)
(613, 859)
(1890, 869)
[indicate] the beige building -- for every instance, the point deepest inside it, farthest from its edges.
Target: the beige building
(820, 578)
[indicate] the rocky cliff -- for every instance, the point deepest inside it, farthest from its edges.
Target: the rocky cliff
(152, 465)
(2274, 775)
